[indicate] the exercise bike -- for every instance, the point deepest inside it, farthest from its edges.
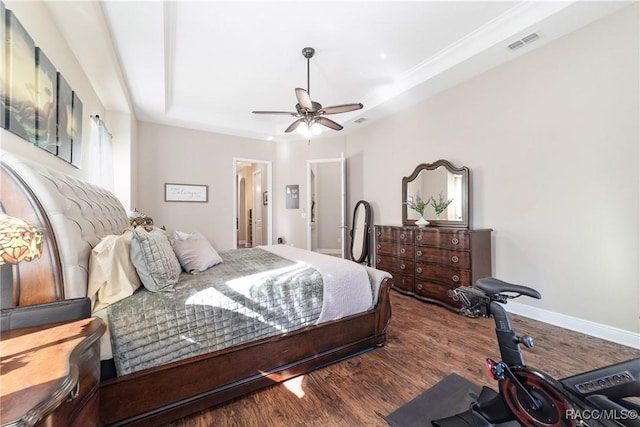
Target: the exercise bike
(601, 397)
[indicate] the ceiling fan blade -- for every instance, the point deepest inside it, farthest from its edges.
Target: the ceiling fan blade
(342, 108)
(328, 123)
(288, 113)
(304, 99)
(293, 126)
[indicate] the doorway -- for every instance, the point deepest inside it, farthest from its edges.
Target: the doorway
(326, 206)
(252, 208)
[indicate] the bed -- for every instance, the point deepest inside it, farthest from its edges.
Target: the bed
(76, 216)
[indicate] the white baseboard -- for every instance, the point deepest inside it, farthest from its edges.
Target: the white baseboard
(598, 330)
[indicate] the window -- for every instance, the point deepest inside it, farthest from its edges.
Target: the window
(100, 155)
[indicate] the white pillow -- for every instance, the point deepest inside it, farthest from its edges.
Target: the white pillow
(181, 235)
(112, 275)
(155, 261)
(194, 252)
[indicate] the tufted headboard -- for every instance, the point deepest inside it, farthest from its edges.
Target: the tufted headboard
(77, 213)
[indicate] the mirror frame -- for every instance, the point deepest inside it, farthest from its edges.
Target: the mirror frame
(366, 250)
(466, 176)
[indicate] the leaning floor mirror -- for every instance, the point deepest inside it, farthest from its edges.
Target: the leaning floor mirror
(360, 232)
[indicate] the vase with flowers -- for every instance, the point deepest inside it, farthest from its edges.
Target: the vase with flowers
(439, 206)
(418, 205)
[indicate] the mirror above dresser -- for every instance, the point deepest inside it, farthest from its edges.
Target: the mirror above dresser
(441, 181)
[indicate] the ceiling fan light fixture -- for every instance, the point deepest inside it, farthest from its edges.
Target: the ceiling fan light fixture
(307, 130)
(310, 114)
(303, 129)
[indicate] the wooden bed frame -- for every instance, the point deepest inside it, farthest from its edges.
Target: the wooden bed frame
(168, 392)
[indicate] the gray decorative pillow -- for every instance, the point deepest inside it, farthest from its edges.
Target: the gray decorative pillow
(154, 259)
(195, 253)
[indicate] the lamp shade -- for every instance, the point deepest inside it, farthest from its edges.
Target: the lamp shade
(19, 241)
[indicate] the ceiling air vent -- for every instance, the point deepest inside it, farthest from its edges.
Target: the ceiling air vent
(360, 120)
(523, 41)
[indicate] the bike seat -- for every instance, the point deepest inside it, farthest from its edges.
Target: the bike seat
(492, 286)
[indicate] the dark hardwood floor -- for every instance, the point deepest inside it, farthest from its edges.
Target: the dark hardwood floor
(425, 344)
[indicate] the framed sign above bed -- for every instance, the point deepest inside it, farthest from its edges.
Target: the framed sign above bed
(186, 193)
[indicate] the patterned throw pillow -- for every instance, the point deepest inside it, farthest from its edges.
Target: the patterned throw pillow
(154, 259)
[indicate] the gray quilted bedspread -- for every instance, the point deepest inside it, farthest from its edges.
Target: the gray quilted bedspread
(253, 294)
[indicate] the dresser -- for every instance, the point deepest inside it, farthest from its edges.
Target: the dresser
(427, 262)
(50, 374)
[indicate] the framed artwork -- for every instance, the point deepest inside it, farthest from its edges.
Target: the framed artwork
(76, 130)
(64, 118)
(46, 103)
(186, 193)
(19, 99)
(265, 198)
(292, 197)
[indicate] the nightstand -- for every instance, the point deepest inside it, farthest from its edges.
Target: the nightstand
(50, 374)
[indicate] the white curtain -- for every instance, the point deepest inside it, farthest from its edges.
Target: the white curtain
(101, 155)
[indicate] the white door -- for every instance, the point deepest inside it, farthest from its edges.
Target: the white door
(326, 206)
(257, 208)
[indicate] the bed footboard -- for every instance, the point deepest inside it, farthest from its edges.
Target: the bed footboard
(169, 392)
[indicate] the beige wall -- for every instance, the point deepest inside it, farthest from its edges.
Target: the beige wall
(183, 156)
(291, 169)
(552, 140)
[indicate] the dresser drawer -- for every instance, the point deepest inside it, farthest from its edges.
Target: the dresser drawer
(392, 264)
(456, 259)
(437, 273)
(436, 291)
(450, 239)
(394, 234)
(403, 282)
(395, 249)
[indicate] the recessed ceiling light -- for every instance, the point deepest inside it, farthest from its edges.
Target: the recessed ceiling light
(269, 138)
(383, 55)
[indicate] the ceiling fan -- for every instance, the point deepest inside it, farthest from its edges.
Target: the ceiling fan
(311, 113)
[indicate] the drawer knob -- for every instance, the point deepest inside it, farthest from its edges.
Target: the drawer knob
(419, 270)
(378, 260)
(455, 278)
(403, 236)
(402, 250)
(378, 247)
(419, 287)
(419, 253)
(454, 259)
(455, 241)
(379, 233)
(419, 237)
(74, 393)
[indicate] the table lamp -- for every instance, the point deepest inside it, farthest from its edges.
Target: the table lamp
(19, 242)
